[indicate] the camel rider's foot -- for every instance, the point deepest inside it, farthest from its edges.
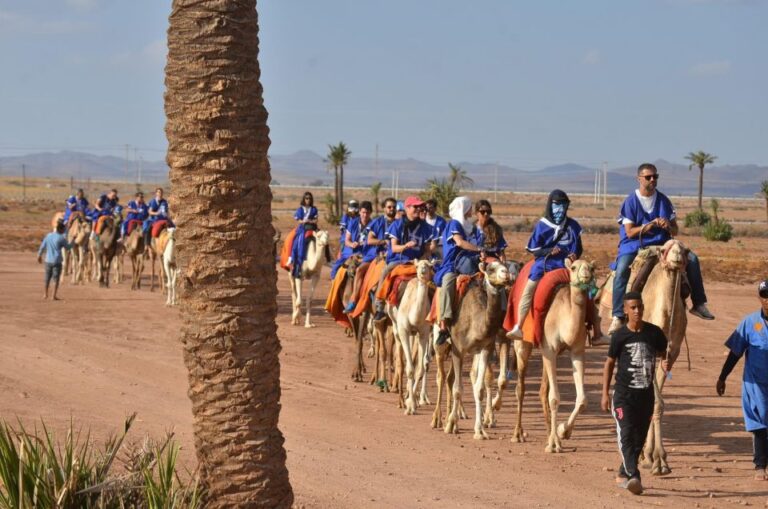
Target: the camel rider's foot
(515, 333)
(617, 322)
(442, 337)
(601, 339)
(702, 312)
(379, 316)
(350, 307)
(633, 485)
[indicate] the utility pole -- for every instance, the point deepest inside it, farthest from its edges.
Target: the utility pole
(397, 182)
(127, 156)
(394, 170)
(23, 182)
(141, 168)
(595, 178)
(605, 183)
(72, 184)
(496, 183)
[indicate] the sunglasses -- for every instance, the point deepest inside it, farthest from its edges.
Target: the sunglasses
(484, 212)
(648, 178)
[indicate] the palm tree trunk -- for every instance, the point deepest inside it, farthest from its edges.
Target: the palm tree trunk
(341, 187)
(766, 208)
(217, 152)
(336, 191)
(701, 185)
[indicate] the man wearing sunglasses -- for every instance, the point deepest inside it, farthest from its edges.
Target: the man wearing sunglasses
(647, 218)
(751, 338)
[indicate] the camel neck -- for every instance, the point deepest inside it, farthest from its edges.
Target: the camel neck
(314, 253)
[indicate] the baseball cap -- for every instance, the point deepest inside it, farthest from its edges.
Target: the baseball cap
(762, 288)
(414, 201)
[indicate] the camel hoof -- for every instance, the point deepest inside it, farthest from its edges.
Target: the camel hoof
(424, 401)
(665, 470)
(517, 438)
(553, 449)
(310, 326)
(563, 432)
(480, 435)
(371, 353)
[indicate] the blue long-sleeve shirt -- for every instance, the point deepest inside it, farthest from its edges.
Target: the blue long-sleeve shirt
(52, 244)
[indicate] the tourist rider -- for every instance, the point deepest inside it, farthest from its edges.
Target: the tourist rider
(353, 210)
(409, 239)
(104, 206)
(555, 238)
(137, 210)
(456, 241)
(648, 218)
(76, 203)
(354, 236)
(751, 338)
(375, 244)
(634, 347)
(158, 211)
(488, 234)
(438, 224)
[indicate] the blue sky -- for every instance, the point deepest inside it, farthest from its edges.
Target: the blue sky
(527, 84)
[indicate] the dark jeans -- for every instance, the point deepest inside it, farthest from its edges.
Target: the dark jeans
(623, 264)
(760, 447)
(52, 272)
(632, 410)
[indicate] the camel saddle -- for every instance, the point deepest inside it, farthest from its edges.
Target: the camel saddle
(646, 259)
(159, 225)
(462, 286)
(133, 223)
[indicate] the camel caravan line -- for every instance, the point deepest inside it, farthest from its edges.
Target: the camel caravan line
(562, 318)
(94, 251)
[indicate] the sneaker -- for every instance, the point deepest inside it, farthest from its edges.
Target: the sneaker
(379, 316)
(515, 333)
(442, 337)
(602, 340)
(633, 485)
(617, 322)
(702, 312)
(350, 307)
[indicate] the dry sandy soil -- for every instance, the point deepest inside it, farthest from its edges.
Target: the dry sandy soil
(100, 354)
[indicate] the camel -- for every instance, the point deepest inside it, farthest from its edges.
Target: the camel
(310, 270)
(120, 252)
(134, 247)
(564, 329)
(170, 267)
(103, 250)
(476, 325)
(76, 258)
(409, 318)
(665, 308)
(154, 253)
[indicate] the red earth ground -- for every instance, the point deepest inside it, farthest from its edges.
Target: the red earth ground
(100, 354)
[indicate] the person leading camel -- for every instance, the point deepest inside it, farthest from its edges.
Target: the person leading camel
(648, 218)
(409, 239)
(375, 235)
(455, 243)
(634, 347)
(555, 238)
(751, 338)
(52, 244)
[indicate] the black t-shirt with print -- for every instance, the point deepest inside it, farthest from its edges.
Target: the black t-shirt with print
(636, 354)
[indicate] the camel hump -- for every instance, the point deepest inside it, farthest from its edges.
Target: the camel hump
(642, 266)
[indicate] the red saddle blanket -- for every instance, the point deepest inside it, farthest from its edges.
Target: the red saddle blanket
(158, 227)
(397, 275)
(462, 285)
(133, 223)
(533, 328)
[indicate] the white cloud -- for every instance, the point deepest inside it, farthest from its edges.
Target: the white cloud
(716, 68)
(591, 57)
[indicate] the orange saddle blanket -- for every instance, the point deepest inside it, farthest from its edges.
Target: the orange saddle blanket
(334, 304)
(533, 328)
(369, 283)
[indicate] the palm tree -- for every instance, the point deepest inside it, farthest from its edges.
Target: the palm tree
(442, 191)
(375, 191)
(458, 178)
(219, 172)
(764, 190)
(700, 159)
(338, 156)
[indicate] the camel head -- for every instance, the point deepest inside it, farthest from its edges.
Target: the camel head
(425, 270)
(674, 255)
(496, 274)
(321, 237)
(582, 272)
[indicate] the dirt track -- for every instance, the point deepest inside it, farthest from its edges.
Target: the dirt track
(101, 354)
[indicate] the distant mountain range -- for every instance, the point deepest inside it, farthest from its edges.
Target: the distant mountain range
(307, 168)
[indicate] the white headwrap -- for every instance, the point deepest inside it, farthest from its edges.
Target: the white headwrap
(458, 210)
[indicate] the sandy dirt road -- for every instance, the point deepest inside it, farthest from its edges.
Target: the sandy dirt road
(102, 353)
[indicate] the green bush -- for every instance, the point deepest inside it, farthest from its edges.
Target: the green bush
(697, 218)
(37, 472)
(720, 231)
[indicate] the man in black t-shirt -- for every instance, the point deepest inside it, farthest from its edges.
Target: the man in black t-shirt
(635, 346)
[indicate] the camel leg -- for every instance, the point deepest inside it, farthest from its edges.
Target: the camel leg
(437, 417)
(357, 372)
(377, 343)
(549, 361)
(313, 283)
(654, 455)
(140, 263)
(523, 351)
(477, 392)
(404, 337)
(295, 298)
(397, 353)
(564, 430)
(424, 347)
(501, 381)
(152, 256)
(489, 417)
(452, 421)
